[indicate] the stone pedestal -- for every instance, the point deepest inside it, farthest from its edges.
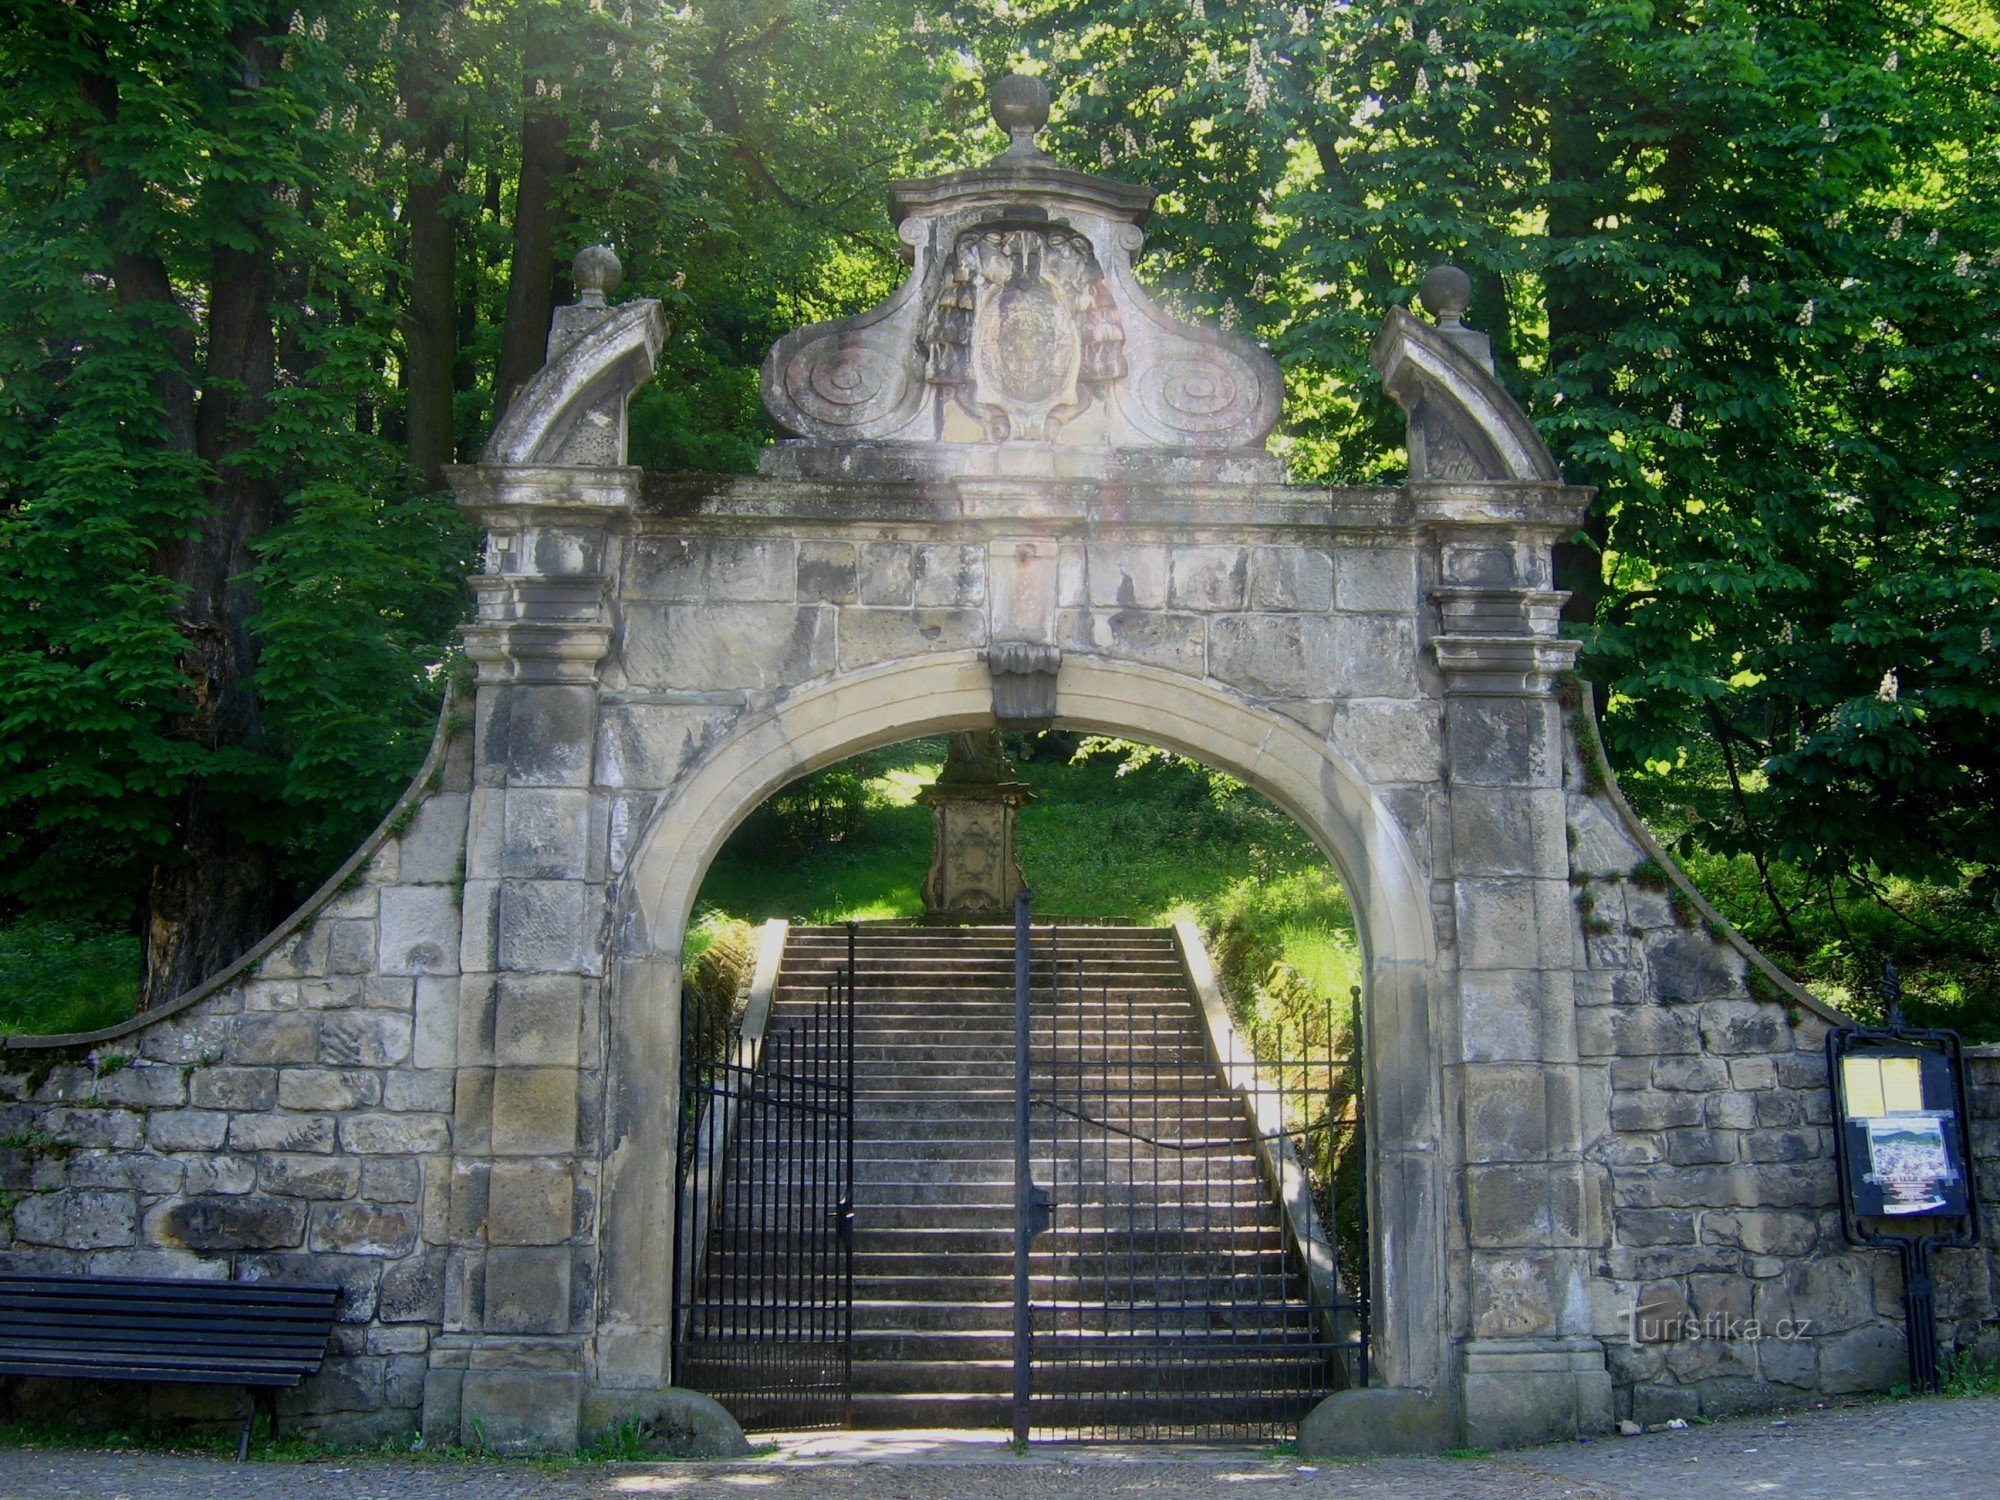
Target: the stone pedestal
(973, 875)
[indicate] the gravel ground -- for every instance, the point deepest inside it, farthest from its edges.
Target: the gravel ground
(1929, 1450)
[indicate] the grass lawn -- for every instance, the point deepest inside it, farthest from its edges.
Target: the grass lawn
(1113, 833)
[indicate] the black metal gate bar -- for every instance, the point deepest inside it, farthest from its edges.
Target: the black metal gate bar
(764, 1212)
(1168, 1303)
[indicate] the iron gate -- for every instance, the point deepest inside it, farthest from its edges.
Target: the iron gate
(764, 1213)
(1177, 1245)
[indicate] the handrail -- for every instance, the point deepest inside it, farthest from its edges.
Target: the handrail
(1283, 1173)
(718, 1127)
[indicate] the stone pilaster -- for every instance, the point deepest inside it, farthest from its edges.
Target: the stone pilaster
(522, 1260)
(1532, 1207)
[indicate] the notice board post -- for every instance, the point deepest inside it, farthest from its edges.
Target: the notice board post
(1903, 1151)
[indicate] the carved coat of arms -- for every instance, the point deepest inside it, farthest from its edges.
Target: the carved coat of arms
(1023, 332)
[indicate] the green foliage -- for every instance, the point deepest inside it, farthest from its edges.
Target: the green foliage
(154, 160)
(721, 956)
(1737, 259)
(58, 976)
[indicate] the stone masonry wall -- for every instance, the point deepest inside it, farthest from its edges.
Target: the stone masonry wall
(1726, 1285)
(292, 1125)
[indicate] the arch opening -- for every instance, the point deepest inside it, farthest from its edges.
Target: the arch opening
(1277, 757)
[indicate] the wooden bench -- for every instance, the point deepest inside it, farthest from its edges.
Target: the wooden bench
(249, 1333)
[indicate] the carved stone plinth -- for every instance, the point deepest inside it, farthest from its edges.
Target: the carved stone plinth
(973, 875)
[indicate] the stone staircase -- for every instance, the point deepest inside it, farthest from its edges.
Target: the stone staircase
(934, 1179)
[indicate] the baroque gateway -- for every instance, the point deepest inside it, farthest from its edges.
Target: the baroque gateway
(1019, 488)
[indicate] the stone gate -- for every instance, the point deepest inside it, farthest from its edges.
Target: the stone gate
(1019, 486)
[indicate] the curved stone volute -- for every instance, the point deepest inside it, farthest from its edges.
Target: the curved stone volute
(571, 413)
(1022, 322)
(1462, 423)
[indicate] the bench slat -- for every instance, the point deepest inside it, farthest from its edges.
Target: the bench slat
(135, 1328)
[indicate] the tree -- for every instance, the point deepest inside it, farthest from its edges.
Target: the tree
(260, 266)
(1738, 260)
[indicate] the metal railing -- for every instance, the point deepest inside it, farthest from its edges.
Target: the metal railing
(764, 1214)
(1165, 1292)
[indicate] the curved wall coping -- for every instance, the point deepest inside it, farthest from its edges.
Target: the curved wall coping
(1716, 923)
(414, 793)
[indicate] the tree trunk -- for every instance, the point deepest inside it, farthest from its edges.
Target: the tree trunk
(210, 898)
(531, 280)
(430, 331)
(430, 327)
(1580, 319)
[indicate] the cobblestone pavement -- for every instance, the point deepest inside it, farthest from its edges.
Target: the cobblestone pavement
(1936, 1450)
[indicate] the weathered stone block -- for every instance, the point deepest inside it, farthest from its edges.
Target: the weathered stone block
(867, 636)
(1506, 1112)
(1497, 924)
(827, 573)
(394, 1134)
(434, 1043)
(544, 736)
(1655, 1226)
(351, 948)
(949, 575)
(1389, 740)
(432, 849)
(527, 1290)
(534, 1112)
(1209, 578)
(389, 1180)
(1651, 1111)
(419, 930)
(364, 1039)
(1686, 1148)
(1867, 1359)
(413, 1290)
(1608, 1031)
(408, 1089)
(1692, 1074)
(1291, 578)
(751, 570)
(529, 1203)
(328, 1088)
(1127, 576)
(339, 992)
(1379, 580)
(1316, 656)
(234, 1088)
(546, 833)
(523, 1410)
(78, 1220)
(245, 1222)
(142, 1085)
(187, 1130)
(1739, 1026)
(1500, 1015)
(276, 1132)
(364, 1229)
(541, 925)
(536, 1019)
(274, 1039)
(1172, 641)
(309, 1176)
(221, 1174)
(713, 647)
(887, 574)
(1731, 1111)
(1526, 1207)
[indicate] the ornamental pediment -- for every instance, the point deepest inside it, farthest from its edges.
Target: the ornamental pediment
(1022, 322)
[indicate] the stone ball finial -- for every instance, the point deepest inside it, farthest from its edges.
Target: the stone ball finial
(1020, 107)
(597, 272)
(1446, 292)
(1020, 103)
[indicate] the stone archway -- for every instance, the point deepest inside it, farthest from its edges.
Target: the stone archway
(932, 694)
(443, 1083)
